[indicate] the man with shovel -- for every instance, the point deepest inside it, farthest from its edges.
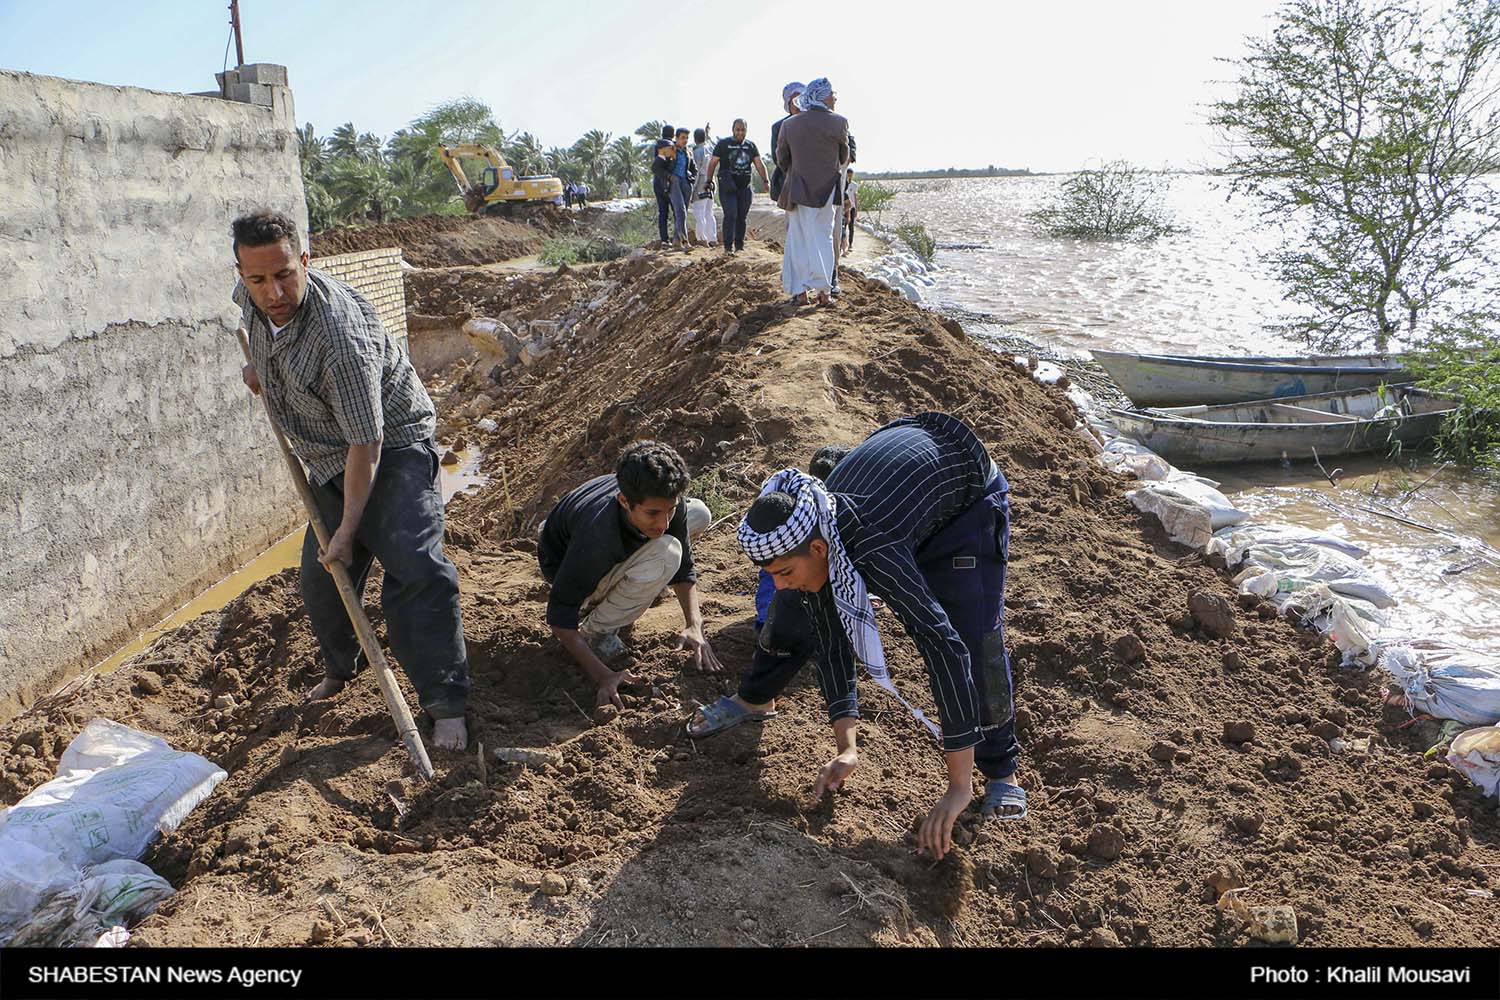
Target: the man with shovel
(357, 416)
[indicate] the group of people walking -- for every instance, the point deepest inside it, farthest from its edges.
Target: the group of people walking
(811, 179)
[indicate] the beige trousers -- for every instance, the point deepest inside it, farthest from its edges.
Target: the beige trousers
(633, 586)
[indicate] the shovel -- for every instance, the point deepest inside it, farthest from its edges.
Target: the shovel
(405, 725)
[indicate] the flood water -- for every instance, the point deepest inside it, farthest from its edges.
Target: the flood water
(286, 553)
(1206, 291)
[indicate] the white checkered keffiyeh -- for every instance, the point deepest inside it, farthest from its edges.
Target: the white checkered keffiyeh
(816, 508)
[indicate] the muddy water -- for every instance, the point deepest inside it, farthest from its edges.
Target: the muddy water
(284, 554)
(1445, 575)
(1206, 291)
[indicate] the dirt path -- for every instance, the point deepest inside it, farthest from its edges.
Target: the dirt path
(638, 835)
(767, 222)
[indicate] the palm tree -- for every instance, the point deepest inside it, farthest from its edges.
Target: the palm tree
(562, 163)
(412, 191)
(590, 151)
(651, 131)
(625, 165)
(361, 188)
(312, 155)
(346, 142)
(525, 153)
(312, 150)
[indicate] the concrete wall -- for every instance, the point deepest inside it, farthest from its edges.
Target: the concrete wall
(136, 468)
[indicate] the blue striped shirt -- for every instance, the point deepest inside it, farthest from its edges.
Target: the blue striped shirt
(897, 489)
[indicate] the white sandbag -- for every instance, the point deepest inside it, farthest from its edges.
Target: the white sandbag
(1184, 521)
(1233, 542)
(113, 895)
(1048, 373)
(1086, 434)
(117, 790)
(492, 338)
(1134, 459)
(1188, 508)
(1476, 755)
(1446, 682)
(1202, 492)
(1354, 625)
(1353, 631)
(1269, 569)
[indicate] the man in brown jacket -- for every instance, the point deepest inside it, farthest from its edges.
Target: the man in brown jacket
(811, 150)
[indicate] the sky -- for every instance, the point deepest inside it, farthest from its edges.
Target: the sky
(1049, 86)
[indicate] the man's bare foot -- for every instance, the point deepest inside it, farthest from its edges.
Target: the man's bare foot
(327, 688)
(450, 734)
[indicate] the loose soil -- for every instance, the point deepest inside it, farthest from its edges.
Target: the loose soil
(444, 240)
(1163, 762)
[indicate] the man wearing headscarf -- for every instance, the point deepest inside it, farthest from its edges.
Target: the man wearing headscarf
(919, 514)
(811, 149)
(789, 95)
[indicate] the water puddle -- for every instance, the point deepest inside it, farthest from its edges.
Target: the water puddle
(454, 479)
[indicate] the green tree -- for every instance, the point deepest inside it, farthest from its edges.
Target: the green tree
(625, 163)
(418, 146)
(361, 188)
(562, 163)
(1365, 127)
(525, 153)
(348, 143)
(590, 153)
(312, 154)
(1116, 201)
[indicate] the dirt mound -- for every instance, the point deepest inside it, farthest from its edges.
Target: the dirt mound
(445, 240)
(635, 834)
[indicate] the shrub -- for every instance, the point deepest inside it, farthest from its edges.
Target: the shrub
(1115, 202)
(579, 249)
(916, 236)
(874, 197)
(1471, 375)
(710, 488)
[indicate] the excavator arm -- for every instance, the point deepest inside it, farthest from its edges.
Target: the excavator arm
(498, 183)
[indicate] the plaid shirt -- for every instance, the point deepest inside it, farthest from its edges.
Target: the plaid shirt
(334, 377)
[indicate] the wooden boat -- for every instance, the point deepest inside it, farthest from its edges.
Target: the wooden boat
(1332, 423)
(1185, 379)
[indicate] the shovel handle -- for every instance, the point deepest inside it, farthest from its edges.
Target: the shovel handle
(368, 642)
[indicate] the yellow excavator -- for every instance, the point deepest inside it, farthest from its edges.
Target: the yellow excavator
(499, 190)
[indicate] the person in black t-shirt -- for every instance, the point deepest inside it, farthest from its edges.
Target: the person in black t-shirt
(739, 156)
(615, 543)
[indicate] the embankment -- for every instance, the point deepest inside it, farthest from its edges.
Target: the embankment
(1163, 752)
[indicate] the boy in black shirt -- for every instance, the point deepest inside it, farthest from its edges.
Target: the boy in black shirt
(614, 543)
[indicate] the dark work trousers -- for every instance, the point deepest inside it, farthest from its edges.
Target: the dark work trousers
(850, 224)
(785, 644)
(402, 527)
(735, 200)
(964, 566)
(663, 204)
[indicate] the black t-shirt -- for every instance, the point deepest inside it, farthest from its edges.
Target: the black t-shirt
(736, 158)
(586, 536)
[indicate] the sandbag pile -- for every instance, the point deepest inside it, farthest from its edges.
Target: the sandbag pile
(69, 851)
